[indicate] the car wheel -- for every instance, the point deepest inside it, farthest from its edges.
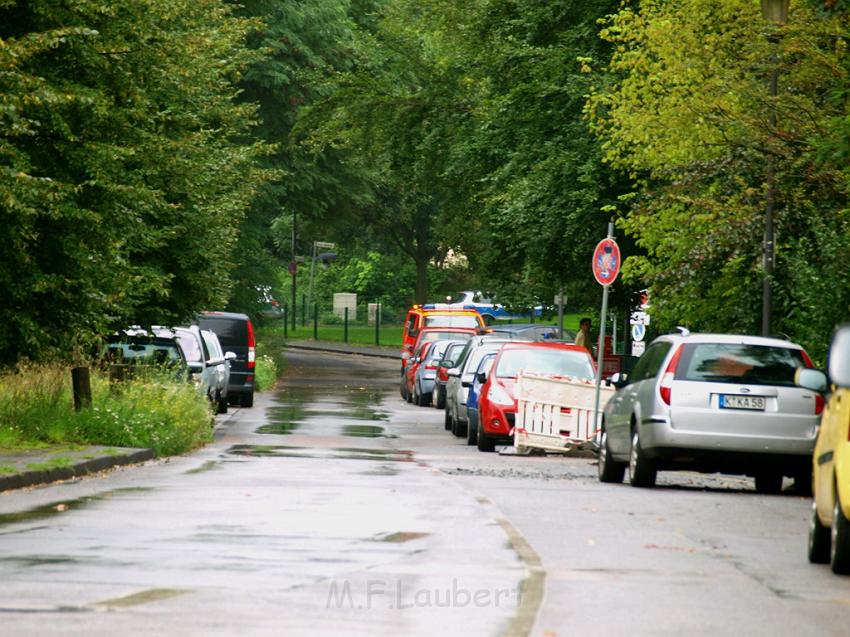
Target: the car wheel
(839, 552)
(447, 420)
(471, 433)
(482, 441)
(440, 403)
(803, 484)
(819, 539)
(609, 470)
(402, 388)
(458, 427)
(417, 399)
(248, 400)
(768, 482)
(642, 471)
(425, 399)
(222, 405)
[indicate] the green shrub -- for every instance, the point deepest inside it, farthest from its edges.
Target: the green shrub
(37, 407)
(265, 372)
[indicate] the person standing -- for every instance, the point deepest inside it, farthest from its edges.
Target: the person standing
(583, 337)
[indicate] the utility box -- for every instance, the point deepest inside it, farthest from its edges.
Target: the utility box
(344, 300)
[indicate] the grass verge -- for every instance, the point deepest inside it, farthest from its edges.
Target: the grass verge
(37, 410)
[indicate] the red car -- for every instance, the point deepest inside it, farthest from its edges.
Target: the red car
(413, 364)
(497, 404)
(429, 335)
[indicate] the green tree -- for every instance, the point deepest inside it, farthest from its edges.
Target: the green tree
(689, 118)
(125, 165)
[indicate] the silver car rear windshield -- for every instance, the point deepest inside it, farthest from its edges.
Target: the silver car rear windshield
(739, 364)
(545, 361)
(461, 320)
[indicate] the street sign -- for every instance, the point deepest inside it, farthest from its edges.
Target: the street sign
(638, 348)
(324, 245)
(293, 267)
(606, 261)
(638, 331)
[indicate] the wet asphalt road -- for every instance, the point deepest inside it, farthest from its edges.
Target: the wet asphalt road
(334, 508)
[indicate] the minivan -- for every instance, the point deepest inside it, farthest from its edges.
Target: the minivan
(236, 334)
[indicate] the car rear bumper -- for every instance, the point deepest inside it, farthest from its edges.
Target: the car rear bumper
(240, 383)
(660, 434)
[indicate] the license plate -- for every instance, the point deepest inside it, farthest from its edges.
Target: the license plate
(756, 403)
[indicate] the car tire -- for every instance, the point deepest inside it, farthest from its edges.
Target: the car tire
(803, 484)
(642, 471)
(819, 539)
(482, 441)
(248, 400)
(447, 420)
(839, 550)
(458, 427)
(768, 482)
(425, 399)
(608, 469)
(416, 400)
(440, 403)
(222, 405)
(402, 389)
(471, 434)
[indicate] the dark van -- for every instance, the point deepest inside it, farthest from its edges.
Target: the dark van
(236, 334)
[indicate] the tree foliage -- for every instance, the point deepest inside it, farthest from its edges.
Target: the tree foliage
(125, 165)
(690, 119)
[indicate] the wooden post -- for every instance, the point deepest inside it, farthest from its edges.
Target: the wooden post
(81, 381)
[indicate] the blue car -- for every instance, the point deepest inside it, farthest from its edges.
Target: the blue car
(474, 392)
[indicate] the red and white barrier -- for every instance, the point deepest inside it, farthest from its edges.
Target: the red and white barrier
(556, 413)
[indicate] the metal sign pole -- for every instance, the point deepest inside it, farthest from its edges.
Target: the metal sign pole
(600, 351)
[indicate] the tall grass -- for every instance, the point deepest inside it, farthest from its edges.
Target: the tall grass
(37, 407)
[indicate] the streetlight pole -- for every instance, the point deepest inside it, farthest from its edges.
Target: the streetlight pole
(776, 12)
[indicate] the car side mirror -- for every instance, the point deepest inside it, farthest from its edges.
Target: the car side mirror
(454, 372)
(481, 377)
(447, 364)
(230, 356)
(196, 367)
(813, 379)
(618, 380)
(405, 356)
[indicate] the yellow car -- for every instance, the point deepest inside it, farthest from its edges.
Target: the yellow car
(829, 530)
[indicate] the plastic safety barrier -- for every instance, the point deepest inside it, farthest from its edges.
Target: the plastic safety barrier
(555, 413)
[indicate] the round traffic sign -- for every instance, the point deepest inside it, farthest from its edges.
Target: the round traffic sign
(606, 261)
(638, 331)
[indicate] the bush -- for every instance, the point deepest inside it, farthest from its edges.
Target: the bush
(265, 373)
(37, 407)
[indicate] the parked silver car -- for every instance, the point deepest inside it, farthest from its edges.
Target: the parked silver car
(208, 365)
(712, 403)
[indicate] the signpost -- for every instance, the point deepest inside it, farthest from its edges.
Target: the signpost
(606, 267)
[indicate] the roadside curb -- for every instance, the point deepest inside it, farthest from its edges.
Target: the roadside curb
(333, 348)
(77, 469)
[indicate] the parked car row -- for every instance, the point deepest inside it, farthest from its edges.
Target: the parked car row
(216, 353)
(470, 372)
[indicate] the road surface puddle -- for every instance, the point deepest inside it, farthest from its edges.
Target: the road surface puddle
(55, 508)
(332, 453)
(142, 597)
(366, 431)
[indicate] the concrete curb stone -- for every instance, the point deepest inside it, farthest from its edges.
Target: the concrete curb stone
(104, 458)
